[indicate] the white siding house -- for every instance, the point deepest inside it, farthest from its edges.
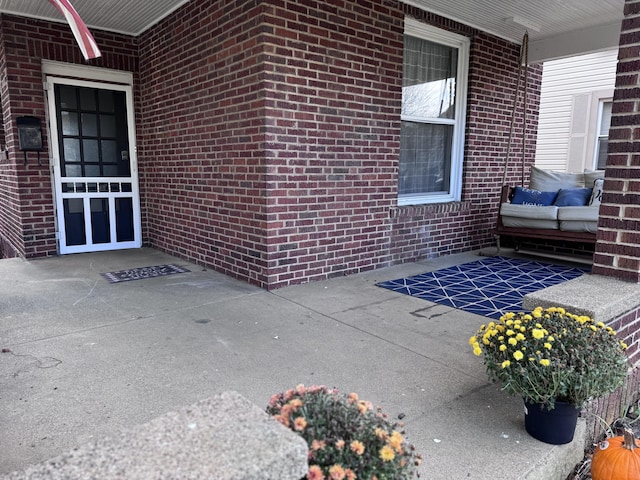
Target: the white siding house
(575, 111)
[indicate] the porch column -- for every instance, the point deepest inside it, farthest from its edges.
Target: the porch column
(617, 252)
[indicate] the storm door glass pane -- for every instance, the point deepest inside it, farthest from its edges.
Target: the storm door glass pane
(107, 126)
(90, 151)
(106, 101)
(87, 99)
(71, 151)
(89, 124)
(100, 228)
(69, 123)
(74, 221)
(109, 151)
(124, 219)
(67, 97)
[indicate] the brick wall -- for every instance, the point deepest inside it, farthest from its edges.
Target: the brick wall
(618, 247)
(334, 89)
(27, 223)
(628, 330)
(202, 151)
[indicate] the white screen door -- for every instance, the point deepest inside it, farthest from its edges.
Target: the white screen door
(95, 168)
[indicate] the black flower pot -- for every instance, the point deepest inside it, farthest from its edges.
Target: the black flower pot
(555, 426)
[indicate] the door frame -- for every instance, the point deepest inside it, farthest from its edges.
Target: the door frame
(82, 76)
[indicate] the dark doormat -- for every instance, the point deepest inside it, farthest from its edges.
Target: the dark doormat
(143, 272)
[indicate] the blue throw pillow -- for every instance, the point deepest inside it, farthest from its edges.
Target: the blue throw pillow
(526, 196)
(573, 197)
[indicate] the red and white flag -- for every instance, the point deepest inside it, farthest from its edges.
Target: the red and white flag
(80, 31)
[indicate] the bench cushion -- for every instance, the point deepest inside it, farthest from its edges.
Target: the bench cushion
(551, 180)
(527, 216)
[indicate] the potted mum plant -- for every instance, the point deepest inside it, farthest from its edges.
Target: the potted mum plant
(556, 361)
(347, 438)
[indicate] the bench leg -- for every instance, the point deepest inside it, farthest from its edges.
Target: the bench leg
(497, 237)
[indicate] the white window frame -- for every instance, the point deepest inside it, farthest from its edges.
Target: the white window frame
(598, 136)
(418, 29)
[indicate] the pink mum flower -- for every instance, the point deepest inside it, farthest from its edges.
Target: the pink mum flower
(350, 474)
(282, 420)
(295, 403)
(340, 444)
(299, 424)
(353, 398)
(315, 473)
(357, 447)
(336, 472)
(317, 445)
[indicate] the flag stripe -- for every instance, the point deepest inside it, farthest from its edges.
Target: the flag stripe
(80, 31)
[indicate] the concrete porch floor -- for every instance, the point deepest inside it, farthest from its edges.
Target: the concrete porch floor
(84, 358)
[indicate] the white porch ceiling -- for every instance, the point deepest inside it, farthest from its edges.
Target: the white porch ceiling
(557, 28)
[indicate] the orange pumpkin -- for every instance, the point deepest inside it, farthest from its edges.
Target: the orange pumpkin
(617, 458)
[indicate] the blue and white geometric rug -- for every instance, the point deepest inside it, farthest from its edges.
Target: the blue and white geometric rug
(489, 287)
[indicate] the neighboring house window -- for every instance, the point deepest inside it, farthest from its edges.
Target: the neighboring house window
(434, 84)
(602, 140)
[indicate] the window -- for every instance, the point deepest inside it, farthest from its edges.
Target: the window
(434, 81)
(602, 138)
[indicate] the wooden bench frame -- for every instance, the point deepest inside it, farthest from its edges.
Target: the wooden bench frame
(541, 233)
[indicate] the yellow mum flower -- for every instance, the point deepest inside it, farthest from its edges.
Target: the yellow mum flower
(545, 362)
(502, 347)
(547, 346)
(509, 315)
(513, 341)
(505, 364)
(363, 406)
(510, 332)
(537, 313)
(501, 338)
(537, 333)
(395, 441)
(520, 337)
(387, 454)
(485, 340)
(518, 355)
(600, 324)
(623, 345)
(477, 351)
(472, 340)
(550, 338)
